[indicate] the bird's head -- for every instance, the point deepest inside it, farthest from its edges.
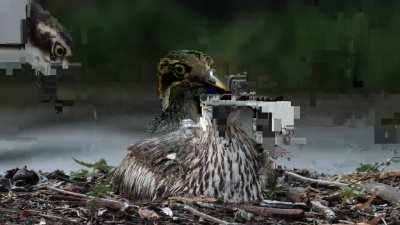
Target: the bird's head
(186, 70)
(49, 35)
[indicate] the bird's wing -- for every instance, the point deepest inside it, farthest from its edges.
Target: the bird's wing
(163, 151)
(155, 167)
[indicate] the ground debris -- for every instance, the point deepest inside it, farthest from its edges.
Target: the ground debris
(56, 198)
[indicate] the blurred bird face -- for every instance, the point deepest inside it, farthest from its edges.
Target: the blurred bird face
(59, 42)
(187, 69)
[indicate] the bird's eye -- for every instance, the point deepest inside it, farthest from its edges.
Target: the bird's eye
(60, 51)
(179, 70)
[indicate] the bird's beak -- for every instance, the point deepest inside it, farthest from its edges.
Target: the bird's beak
(215, 81)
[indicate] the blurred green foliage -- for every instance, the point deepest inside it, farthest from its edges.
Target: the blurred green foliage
(368, 168)
(348, 194)
(80, 175)
(101, 190)
(100, 166)
(301, 46)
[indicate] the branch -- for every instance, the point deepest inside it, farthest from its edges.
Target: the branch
(108, 203)
(315, 181)
(283, 205)
(271, 212)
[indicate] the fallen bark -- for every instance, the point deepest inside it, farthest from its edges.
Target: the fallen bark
(315, 181)
(384, 191)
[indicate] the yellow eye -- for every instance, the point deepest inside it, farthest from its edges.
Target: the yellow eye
(179, 70)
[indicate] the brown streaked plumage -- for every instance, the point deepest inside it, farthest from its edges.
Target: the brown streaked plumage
(195, 159)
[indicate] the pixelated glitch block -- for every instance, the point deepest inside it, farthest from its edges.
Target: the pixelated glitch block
(388, 131)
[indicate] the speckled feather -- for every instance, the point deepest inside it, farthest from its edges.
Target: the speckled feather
(192, 162)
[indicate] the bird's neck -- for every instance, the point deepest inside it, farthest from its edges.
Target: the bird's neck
(229, 162)
(186, 105)
(209, 124)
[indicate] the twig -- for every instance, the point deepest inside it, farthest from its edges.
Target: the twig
(326, 211)
(315, 181)
(48, 216)
(69, 193)
(108, 203)
(204, 216)
(283, 205)
(271, 212)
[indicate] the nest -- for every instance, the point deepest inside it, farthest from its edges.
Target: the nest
(29, 197)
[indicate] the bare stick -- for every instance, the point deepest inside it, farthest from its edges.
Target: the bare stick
(204, 216)
(326, 211)
(283, 205)
(315, 181)
(108, 203)
(271, 212)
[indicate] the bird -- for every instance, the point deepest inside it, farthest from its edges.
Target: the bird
(47, 34)
(194, 159)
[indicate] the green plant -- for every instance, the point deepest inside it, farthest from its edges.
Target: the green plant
(348, 194)
(99, 166)
(101, 190)
(81, 174)
(368, 168)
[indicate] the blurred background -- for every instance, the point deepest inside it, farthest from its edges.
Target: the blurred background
(338, 60)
